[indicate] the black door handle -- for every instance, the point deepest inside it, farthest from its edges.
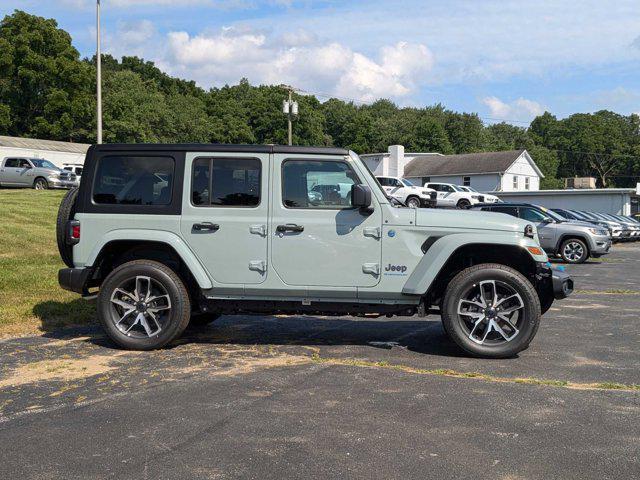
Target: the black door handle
(206, 226)
(289, 227)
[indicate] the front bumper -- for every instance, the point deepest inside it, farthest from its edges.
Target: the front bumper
(562, 284)
(428, 202)
(76, 279)
(600, 245)
(551, 282)
(56, 183)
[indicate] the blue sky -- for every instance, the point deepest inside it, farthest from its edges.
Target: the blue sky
(504, 59)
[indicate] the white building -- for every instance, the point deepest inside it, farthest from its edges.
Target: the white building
(58, 153)
(507, 171)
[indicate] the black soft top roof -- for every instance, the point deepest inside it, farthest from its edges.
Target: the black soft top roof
(217, 147)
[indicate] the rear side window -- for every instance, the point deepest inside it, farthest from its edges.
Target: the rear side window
(134, 180)
(317, 184)
(513, 211)
(226, 182)
(12, 163)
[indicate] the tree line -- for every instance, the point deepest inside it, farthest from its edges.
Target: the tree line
(48, 91)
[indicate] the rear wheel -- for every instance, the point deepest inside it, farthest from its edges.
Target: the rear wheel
(413, 202)
(143, 305)
(40, 184)
(66, 212)
(491, 311)
(574, 250)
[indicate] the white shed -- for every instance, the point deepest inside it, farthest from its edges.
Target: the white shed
(58, 153)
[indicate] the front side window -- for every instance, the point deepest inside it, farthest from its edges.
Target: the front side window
(134, 180)
(44, 164)
(532, 215)
(25, 164)
(466, 181)
(226, 182)
(317, 184)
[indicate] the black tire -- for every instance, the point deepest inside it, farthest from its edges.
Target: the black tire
(463, 204)
(201, 320)
(574, 250)
(66, 212)
(170, 324)
(459, 326)
(40, 183)
(413, 202)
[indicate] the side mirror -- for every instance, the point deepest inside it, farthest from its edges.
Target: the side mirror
(360, 196)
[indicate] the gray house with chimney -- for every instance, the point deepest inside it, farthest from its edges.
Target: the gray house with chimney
(507, 171)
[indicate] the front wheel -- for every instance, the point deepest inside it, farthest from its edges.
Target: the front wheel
(463, 204)
(574, 250)
(413, 202)
(491, 311)
(143, 305)
(40, 184)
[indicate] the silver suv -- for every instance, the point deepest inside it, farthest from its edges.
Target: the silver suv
(34, 173)
(171, 234)
(573, 241)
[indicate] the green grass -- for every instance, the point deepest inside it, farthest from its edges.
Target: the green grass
(30, 299)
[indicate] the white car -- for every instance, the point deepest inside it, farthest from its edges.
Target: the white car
(411, 195)
(488, 198)
(453, 196)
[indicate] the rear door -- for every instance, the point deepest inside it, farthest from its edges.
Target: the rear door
(224, 215)
(322, 240)
(8, 171)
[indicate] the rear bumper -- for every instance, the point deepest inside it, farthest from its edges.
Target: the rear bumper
(75, 279)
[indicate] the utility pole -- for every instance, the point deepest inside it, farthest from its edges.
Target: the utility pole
(290, 109)
(98, 76)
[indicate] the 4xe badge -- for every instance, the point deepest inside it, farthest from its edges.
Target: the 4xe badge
(395, 270)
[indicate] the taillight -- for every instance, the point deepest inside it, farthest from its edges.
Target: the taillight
(74, 232)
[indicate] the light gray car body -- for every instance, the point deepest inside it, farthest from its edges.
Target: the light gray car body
(349, 254)
(22, 172)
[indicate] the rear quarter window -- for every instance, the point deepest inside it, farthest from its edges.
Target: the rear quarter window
(134, 180)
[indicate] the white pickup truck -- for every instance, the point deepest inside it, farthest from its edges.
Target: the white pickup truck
(411, 195)
(455, 196)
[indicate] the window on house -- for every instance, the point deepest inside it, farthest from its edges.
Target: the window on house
(527, 183)
(466, 181)
(515, 182)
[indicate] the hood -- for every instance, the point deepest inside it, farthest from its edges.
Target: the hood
(582, 224)
(469, 219)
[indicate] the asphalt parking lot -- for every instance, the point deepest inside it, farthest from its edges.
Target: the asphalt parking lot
(267, 397)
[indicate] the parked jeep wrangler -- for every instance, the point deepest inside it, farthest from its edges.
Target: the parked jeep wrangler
(169, 234)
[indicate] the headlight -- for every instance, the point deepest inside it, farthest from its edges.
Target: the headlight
(598, 231)
(475, 197)
(54, 175)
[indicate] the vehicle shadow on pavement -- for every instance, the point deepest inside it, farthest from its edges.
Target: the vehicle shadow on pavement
(54, 315)
(419, 336)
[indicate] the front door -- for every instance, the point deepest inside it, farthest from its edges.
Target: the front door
(318, 239)
(224, 215)
(547, 229)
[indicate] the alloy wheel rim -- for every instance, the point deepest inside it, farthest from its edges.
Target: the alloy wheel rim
(491, 313)
(573, 251)
(413, 203)
(140, 307)
(39, 185)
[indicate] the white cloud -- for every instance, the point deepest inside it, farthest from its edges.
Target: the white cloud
(520, 110)
(231, 53)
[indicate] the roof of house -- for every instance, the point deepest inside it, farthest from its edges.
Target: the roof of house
(466, 163)
(37, 144)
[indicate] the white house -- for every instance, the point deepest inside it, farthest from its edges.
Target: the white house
(58, 153)
(507, 171)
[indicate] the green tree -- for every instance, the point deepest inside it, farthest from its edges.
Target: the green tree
(42, 80)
